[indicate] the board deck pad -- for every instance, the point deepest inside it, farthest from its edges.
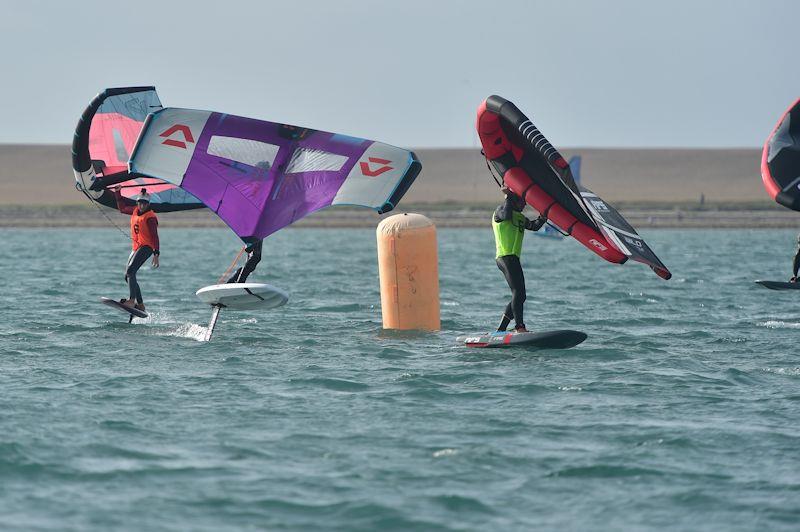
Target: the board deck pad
(540, 340)
(779, 285)
(119, 306)
(240, 296)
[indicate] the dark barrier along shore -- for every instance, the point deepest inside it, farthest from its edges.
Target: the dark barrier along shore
(728, 215)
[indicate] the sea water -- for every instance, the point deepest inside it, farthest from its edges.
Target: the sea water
(680, 411)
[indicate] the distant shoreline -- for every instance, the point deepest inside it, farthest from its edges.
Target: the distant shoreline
(730, 215)
(653, 188)
(42, 174)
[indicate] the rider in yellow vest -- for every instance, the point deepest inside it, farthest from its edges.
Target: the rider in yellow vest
(509, 226)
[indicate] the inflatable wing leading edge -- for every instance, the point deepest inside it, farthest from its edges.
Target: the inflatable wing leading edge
(104, 139)
(533, 169)
(551, 230)
(261, 176)
(780, 160)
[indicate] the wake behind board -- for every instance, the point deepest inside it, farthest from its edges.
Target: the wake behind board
(538, 340)
(242, 296)
(119, 306)
(779, 285)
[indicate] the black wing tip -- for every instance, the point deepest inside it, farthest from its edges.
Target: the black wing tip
(406, 181)
(788, 201)
(495, 104)
(662, 272)
(113, 91)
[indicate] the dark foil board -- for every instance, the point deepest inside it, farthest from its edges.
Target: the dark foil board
(119, 306)
(538, 340)
(779, 285)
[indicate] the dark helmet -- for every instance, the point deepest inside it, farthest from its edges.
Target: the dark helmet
(517, 202)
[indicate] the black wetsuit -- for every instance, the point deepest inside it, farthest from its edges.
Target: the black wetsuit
(253, 258)
(135, 262)
(511, 267)
(796, 262)
(512, 271)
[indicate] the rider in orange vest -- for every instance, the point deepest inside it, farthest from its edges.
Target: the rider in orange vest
(144, 234)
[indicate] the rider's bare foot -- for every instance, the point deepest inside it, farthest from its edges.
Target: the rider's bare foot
(139, 306)
(127, 302)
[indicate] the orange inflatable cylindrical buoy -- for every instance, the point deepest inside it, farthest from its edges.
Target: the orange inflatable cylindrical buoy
(408, 266)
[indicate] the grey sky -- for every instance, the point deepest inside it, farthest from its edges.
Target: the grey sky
(412, 73)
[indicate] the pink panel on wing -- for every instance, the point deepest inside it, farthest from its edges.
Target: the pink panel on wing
(102, 138)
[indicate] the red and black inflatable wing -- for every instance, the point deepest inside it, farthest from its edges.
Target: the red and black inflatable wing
(536, 171)
(780, 160)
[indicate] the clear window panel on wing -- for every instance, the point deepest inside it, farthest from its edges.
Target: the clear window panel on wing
(311, 160)
(246, 151)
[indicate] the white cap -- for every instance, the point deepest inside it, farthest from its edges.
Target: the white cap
(143, 196)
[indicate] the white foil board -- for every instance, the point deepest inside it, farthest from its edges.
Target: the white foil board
(241, 296)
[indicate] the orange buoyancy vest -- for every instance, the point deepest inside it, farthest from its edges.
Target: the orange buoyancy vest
(141, 234)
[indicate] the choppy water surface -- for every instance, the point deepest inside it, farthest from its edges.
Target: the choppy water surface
(680, 411)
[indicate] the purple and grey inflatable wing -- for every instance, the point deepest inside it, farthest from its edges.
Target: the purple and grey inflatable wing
(262, 176)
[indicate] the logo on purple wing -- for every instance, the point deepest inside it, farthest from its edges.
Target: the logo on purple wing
(187, 136)
(369, 172)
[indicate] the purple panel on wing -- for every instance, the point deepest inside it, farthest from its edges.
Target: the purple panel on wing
(239, 169)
